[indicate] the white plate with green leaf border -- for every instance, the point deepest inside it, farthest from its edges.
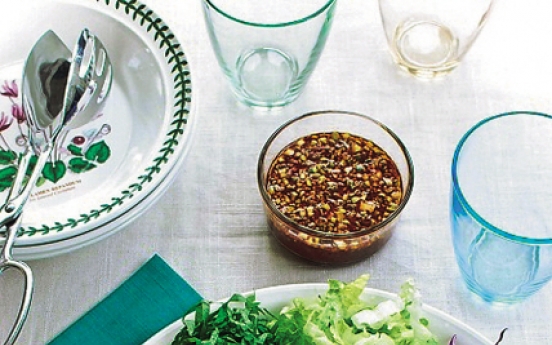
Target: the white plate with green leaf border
(111, 170)
(275, 298)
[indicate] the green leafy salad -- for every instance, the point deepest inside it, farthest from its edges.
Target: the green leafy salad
(337, 317)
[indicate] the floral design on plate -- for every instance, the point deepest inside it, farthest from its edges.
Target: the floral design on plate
(78, 154)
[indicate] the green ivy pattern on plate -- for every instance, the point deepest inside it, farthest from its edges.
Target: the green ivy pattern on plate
(176, 59)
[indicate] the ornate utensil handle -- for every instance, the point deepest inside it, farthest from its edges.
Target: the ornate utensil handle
(25, 301)
(6, 262)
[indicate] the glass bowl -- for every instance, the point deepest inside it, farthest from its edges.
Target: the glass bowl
(310, 242)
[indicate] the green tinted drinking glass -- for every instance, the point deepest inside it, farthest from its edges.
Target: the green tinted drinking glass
(268, 50)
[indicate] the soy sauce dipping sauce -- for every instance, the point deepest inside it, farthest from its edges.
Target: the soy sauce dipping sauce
(334, 182)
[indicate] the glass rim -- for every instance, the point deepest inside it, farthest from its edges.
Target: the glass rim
(288, 221)
(462, 199)
(303, 19)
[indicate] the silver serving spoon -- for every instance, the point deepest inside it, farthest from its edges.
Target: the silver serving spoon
(43, 88)
(44, 78)
(51, 101)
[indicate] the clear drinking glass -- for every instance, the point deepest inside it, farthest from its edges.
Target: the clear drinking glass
(429, 38)
(501, 206)
(268, 49)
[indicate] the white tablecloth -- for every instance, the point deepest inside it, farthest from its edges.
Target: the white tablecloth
(210, 224)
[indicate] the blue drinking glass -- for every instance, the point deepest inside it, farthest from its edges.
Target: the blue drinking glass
(501, 202)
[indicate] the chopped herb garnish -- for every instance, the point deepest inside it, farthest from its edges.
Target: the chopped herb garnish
(240, 320)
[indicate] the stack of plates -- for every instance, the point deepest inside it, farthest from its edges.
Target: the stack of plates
(114, 168)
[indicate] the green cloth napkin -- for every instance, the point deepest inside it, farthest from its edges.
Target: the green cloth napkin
(153, 297)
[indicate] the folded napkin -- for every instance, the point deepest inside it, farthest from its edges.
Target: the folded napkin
(153, 297)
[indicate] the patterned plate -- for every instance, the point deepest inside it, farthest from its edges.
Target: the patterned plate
(108, 171)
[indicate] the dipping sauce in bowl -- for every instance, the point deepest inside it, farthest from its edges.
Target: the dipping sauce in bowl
(334, 182)
(331, 191)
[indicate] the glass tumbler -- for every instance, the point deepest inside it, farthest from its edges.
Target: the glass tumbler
(429, 38)
(268, 49)
(500, 206)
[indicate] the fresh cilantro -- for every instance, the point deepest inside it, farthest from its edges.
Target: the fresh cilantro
(240, 320)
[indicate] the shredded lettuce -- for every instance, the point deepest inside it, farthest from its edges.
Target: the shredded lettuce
(340, 317)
